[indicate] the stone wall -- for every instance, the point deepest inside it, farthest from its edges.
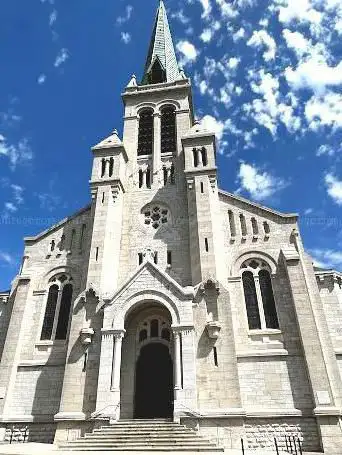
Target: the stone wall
(5, 312)
(37, 391)
(43, 433)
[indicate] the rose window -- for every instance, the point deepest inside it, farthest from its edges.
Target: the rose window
(156, 216)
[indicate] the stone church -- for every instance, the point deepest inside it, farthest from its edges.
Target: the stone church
(169, 298)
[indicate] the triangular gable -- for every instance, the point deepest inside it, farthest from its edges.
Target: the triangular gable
(184, 293)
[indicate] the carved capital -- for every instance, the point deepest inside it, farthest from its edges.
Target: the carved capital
(213, 329)
(86, 336)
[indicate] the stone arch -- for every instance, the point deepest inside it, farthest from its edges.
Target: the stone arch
(240, 258)
(121, 312)
(162, 104)
(72, 271)
(145, 106)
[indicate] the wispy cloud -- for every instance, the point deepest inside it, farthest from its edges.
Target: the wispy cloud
(334, 188)
(62, 57)
(259, 184)
(41, 79)
(126, 37)
(126, 17)
(53, 17)
(16, 153)
(327, 258)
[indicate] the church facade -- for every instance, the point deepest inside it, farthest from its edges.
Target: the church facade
(167, 297)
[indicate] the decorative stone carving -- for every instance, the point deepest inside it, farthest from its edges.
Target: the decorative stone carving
(86, 336)
(213, 329)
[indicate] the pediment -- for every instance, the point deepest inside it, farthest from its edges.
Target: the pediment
(149, 277)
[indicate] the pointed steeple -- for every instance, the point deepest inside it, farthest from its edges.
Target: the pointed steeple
(161, 64)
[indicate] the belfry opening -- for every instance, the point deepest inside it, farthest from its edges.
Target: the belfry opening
(147, 374)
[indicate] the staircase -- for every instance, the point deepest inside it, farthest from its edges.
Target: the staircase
(142, 436)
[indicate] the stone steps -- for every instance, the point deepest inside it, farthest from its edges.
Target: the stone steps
(142, 435)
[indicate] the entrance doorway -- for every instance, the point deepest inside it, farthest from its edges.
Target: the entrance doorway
(154, 383)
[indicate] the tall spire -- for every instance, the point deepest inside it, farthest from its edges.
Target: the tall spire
(161, 64)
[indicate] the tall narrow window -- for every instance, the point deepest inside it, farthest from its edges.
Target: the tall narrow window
(195, 154)
(266, 228)
(168, 130)
(148, 178)
(165, 175)
(50, 311)
(155, 259)
(232, 225)
(202, 187)
(255, 227)
(215, 356)
(206, 244)
(243, 225)
(140, 258)
(103, 167)
(268, 300)
(204, 156)
(141, 178)
(64, 313)
(145, 139)
(251, 301)
(172, 174)
(111, 166)
(169, 258)
(62, 243)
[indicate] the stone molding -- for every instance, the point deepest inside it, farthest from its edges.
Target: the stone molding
(262, 353)
(327, 411)
(64, 416)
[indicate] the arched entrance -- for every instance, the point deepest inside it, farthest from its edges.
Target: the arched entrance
(154, 384)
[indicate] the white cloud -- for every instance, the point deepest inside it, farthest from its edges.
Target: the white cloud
(259, 184)
(324, 111)
(334, 188)
(53, 17)
(126, 17)
(206, 35)
(328, 150)
(314, 74)
(240, 34)
(206, 7)
(299, 10)
(233, 63)
(211, 124)
(188, 51)
(10, 207)
(180, 16)
(18, 193)
(41, 79)
(261, 38)
(126, 37)
(297, 42)
(326, 258)
(62, 57)
(17, 154)
(226, 9)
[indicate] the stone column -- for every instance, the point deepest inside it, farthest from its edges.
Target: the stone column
(178, 365)
(105, 371)
(11, 352)
(185, 368)
(116, 370)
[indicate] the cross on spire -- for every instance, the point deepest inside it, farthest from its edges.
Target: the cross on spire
(161, 64)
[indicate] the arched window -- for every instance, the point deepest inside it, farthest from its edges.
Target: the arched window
(232, 223)
(267, 229)
(166, 334)
(145, 139)
(243, 225)
(50, 312)
(268, 300)
(204, 156)
(58, 307)
(83, 230)
(259, 297)
(64, 313)
(111, 166)
(168, 130)
(251, 300)
(72, 239)
(195, 154)
(154, 328)
(103, 167)
(255, 227)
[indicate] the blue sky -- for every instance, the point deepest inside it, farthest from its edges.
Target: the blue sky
(267, 76)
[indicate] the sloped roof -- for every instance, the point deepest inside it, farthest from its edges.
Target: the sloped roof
(162, 48)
